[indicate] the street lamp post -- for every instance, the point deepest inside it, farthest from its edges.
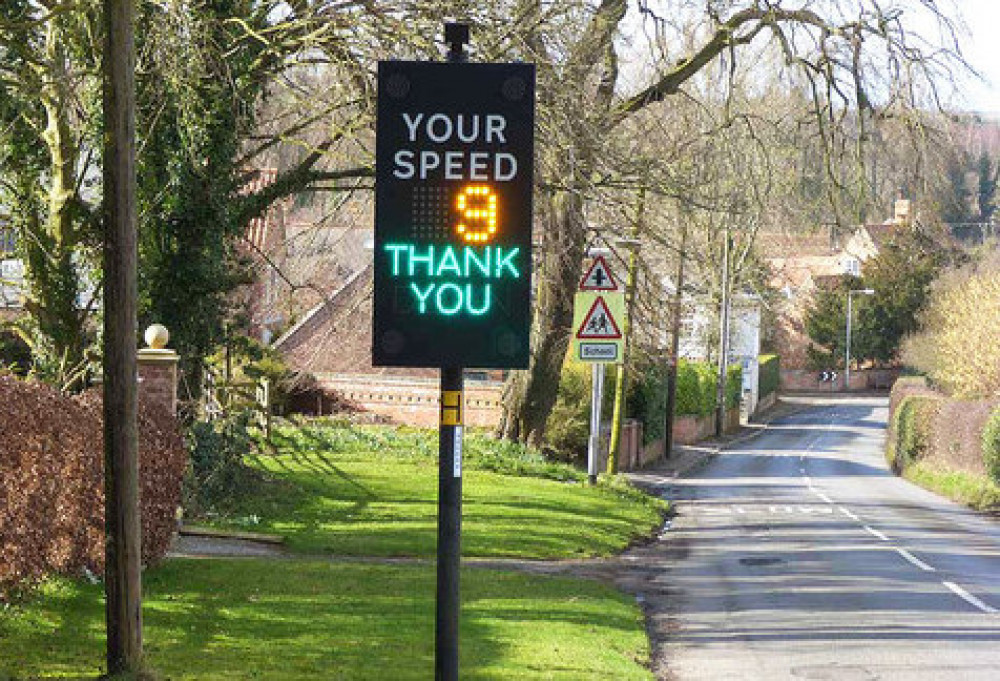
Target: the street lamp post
(847, 350)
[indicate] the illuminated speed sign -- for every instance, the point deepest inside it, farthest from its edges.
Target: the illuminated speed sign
(454, 155)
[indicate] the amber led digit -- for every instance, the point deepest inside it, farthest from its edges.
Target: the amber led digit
(476, 206)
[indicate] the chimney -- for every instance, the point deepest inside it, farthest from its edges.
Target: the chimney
(901, 214)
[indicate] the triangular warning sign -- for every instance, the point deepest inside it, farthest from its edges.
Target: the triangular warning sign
(598, 323)
(598, 277)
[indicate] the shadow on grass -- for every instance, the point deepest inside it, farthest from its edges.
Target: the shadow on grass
(239, 619)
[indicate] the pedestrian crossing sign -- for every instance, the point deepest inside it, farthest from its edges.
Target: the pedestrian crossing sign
(598, 320)
(599, 323)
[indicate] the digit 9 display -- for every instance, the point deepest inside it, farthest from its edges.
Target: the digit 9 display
(453, 208)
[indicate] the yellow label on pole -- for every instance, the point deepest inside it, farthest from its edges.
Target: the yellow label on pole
(451, 408)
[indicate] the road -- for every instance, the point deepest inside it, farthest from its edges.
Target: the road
(797, 555)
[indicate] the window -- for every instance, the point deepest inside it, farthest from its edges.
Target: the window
(8, 240)
(852, 266)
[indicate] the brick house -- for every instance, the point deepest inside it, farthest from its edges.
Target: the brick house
(801, 264)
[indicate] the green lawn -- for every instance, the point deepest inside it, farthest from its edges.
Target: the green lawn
(372, 491)
(298, 619)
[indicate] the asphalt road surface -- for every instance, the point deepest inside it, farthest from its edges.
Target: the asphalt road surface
(797, 555)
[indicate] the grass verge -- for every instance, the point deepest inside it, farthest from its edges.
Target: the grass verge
(978, 492)
(372, 491)
(251, 619)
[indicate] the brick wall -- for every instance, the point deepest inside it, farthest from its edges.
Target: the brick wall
(416, 401)
(793, 380)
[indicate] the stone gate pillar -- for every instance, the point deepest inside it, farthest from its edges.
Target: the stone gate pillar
(157, 368)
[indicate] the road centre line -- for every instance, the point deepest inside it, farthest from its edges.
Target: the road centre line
(913, 559)
(875, 533)
(909, 557)
(969, 598)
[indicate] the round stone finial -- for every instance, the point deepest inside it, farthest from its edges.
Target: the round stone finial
(157, 336)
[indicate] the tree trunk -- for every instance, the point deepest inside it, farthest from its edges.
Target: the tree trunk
(531, 395)
(52, 274)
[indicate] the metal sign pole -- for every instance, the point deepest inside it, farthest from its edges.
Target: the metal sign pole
(449, 544)
(449, 526)
(596, 398)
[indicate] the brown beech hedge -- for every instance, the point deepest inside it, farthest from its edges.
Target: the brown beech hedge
(52, 483)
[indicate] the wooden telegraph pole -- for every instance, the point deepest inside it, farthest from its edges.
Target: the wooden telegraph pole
(121, 484)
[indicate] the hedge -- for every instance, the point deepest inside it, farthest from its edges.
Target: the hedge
(695, 388)
(696, 383)
(991, 445)
(768, 375)
(51, 453)
(734, 386)
(911, 431)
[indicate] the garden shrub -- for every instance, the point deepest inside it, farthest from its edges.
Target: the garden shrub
(218, 473)
(991, 446)
(51, 453)
(768, 375)
(568, 427)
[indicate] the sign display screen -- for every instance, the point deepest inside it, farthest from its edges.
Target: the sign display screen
(453, 205)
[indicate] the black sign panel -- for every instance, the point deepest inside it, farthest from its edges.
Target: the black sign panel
(454, 152)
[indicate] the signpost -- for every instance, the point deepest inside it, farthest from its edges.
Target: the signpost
(454, 154)
(598, 312)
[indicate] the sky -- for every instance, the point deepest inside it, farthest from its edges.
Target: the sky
(982, 49)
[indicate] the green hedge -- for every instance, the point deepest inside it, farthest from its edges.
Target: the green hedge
(648, 399)
(768, 375)
(910, 431)
(991, 445)
(695, 388)
(696, 382)
(734, 386)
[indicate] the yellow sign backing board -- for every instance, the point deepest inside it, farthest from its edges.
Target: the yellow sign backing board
(598, 319)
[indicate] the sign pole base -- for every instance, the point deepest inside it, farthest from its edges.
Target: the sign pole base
(449, 541)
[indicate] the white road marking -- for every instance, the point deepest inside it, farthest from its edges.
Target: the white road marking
(824, 497)
(739, 509)
(969, 598)
(876, 533)
(848, 513)
(916, 561)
